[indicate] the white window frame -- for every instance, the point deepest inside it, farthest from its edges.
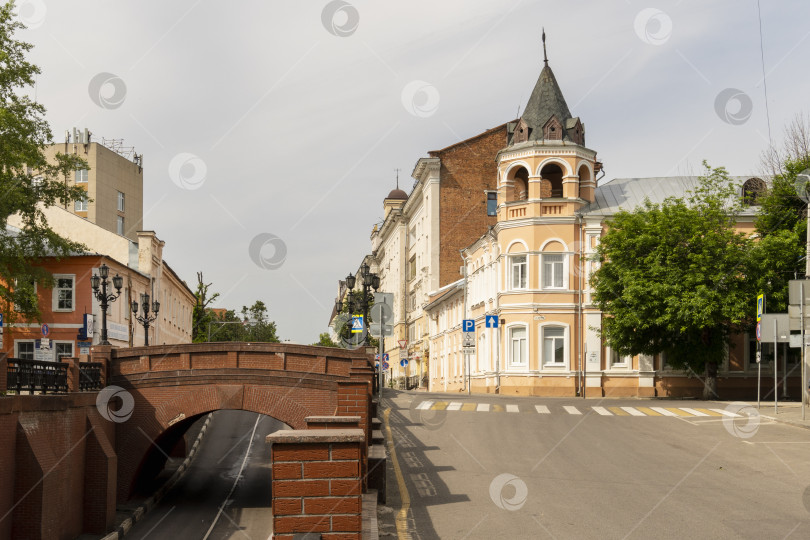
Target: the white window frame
(54, 345)
(566, 345)
(525, 271)
(81, 204)
(623, 363)
(81, 176)
(119, 225)
(17, 347)
(55, 293)
(544, 273)
(511, 348)
(121, 202)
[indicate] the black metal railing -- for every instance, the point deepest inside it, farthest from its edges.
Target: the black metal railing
(89, 376)
(36, 376)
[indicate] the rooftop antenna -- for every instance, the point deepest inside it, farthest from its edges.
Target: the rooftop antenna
(397, 171)
(545, 57)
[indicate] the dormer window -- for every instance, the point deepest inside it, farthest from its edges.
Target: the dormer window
(552, 131)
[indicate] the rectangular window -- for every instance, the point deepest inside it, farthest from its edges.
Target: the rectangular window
(63, 293)
(518, 271)
(492, 203)
(81, 176)
(25, 350)
(120, 225)
(519, 349)
(616, 359)
(63, 349)
(553, 271)
(120, 202)
(553, 345)
(412, 267)
(81, 204)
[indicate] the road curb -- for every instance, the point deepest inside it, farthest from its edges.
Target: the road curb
(138, 514)
(783, 421)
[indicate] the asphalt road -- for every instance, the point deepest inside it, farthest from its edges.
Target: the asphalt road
(208, 502)
(530, 468)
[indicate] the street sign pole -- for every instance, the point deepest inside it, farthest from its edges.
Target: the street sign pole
(775, 369)
(804, 378)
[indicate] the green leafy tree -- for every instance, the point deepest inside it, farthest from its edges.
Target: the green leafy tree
(28, 180)
(324, 340)
(258, 326)
(673, 278)
(202, 315)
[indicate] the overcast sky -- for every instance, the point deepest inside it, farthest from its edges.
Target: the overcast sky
(280, 124)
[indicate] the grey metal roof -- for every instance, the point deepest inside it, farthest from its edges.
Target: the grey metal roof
(629, 193)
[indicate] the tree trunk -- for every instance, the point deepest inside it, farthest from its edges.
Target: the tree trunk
(710, 384)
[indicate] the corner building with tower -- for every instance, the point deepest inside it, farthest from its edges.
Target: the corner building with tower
(505, 224)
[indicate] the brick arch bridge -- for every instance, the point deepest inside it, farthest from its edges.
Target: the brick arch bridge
(170, 386)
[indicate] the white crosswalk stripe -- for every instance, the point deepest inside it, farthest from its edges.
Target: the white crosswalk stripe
(570, 409)
(512, 408)
(425, 405)
(693, 411)
(725, 413)
(454, 406)
(482, 407)
(542, 409)
(633, 411)
(603, 411)
(663, 411)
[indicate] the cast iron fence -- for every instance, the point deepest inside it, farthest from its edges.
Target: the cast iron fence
(36, 376)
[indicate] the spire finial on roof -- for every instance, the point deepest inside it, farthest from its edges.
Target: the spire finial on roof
(545, 57)
(397, 171)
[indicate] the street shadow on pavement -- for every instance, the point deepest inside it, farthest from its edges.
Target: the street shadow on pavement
(425, 486)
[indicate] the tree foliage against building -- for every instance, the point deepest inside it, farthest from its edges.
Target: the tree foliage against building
(28, 181)
(674, 277)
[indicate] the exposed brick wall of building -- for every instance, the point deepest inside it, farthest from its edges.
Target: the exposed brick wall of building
(317, 484)
(467, 170)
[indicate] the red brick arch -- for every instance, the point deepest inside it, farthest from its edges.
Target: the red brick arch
(170, 384)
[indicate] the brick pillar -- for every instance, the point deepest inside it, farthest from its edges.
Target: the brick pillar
(316, 482)
(72, 374)
(333, 422)
(103, 354)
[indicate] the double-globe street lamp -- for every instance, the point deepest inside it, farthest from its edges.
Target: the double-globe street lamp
(146, 319)
(99, 284)
(362, 300)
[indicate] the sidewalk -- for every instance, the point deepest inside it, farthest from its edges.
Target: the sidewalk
(788, 412)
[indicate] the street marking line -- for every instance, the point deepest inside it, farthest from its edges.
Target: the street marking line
(726, 413)
(693, 412)
(439, 406)
(482, 407)
(709, 412)
(497, 408)
(603, 411)
(542, 409)
(512, 408)
(678, 412)
(649, 411)
(570, 409)
(454, 406)
(425, 405)
(468, 407)
(663, 411)
(618, 412)
(633, 411)
(402, 515)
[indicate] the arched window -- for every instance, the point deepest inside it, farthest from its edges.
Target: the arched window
(519, 178)
(551, 183)
(753, 188)
(584, 178)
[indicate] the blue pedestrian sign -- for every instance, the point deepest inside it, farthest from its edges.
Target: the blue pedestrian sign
(403, 362)
(468, 325)
(492, 321)
(357, 324)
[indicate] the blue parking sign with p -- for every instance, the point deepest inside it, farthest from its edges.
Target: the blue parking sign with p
(468, 325)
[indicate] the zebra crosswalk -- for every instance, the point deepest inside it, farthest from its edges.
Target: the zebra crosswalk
(574, 410)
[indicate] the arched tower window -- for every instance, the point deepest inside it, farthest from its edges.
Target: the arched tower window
(520, 184)
(584, 178)
(551, 183)
(753, 188)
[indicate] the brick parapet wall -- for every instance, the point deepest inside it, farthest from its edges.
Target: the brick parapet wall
(3, 372)
(316, 483)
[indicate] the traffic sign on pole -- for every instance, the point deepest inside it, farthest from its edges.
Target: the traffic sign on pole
(759, 331)
(403, 362)
(760, 306)
(468, 325)
(45, 330)
(492, 321)
(403, 343)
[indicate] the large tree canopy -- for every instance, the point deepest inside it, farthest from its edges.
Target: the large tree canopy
(28, 181)
(673, 276)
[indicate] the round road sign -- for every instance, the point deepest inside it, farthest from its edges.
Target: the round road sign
(759, 331)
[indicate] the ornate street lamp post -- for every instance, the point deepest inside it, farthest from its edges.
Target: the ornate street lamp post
(99, 284)
(146, 319)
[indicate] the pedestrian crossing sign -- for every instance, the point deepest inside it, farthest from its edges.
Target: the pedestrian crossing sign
(357, 324)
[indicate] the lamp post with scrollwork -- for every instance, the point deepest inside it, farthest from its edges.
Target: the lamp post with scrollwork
(145, 319)
(99, 284)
